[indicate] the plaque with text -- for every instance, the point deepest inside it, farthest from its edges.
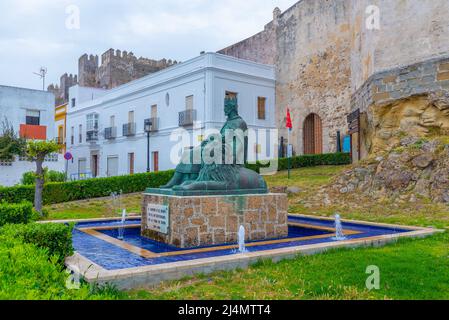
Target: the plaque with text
(354, 122)
(158, 218)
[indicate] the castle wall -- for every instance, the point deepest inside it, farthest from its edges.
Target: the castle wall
(87, 70)
(313, 68)
(259, 48)
(328, 61)
(410, 31)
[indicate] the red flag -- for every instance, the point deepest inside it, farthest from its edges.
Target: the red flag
(289, 120)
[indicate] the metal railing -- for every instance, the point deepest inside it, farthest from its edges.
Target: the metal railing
(187, 118)
(91, 135)
(110, 133)
(129, 129)
(81, 176)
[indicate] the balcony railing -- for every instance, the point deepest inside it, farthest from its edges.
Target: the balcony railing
(60, 140)
(129, 129)
(92, 136)
(187, 118)
(110, 133)
(154, 124)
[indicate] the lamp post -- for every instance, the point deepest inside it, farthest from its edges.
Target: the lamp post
(148, 125)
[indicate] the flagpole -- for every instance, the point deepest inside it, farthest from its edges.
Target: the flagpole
(289, 154)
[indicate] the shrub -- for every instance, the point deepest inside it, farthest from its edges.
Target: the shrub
(87, 189)
(327, 159)
(16, 213)
(29, 178)
(28, 273)
(55, 237)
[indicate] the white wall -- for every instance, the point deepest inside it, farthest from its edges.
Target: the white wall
(206, 77)
(11, 175)
(14, 102)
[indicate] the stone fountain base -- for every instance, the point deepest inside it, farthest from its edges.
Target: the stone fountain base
(193, 221)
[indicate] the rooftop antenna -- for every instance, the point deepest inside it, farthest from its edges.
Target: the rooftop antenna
(42, 73)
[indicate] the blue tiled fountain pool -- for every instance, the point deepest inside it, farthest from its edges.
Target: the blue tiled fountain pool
(98, 242)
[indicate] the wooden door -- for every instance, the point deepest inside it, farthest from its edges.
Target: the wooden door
(156, 161)
(313, 135)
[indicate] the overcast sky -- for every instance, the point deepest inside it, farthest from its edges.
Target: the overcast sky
(34, 33)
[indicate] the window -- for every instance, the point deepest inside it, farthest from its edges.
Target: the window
(131, 163)
(33, 117)
(72, 136)
(112, 121)
(82, 166)
(261, 106)
(189, 103)
(80, 134)
(92, 122)
(154, 111)
(73, 103)
(131, 117)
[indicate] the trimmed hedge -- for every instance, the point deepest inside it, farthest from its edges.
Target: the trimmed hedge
(103, 187)
(87, 189)
(327, 159)
(55, 237)
(16, 213)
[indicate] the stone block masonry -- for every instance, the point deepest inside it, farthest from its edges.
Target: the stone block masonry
(384, 88)
(211, 220)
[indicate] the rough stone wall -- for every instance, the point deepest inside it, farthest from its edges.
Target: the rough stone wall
(61, 91)
(87, 70)
(313, 68)
(202, 221)
(311, 53)
(259, 48)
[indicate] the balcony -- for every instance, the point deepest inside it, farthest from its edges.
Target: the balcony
(129, 129)
(110, 133)
(154, 124)
(187, 118)
(33, 132)
(92, 136)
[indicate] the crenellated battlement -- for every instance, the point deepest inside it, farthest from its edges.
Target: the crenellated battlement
(117, 67)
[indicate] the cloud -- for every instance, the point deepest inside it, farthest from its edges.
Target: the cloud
(34, 32)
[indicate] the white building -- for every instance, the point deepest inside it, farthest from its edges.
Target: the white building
(31, 114)
(105, 129)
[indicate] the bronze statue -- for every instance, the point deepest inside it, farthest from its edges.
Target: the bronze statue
(224, 171)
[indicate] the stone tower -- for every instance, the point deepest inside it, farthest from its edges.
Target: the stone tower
(87, 70)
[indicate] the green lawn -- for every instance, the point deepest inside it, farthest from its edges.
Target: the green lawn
(95, 208)
(410, 269)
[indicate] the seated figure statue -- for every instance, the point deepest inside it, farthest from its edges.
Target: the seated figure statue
(220, 160)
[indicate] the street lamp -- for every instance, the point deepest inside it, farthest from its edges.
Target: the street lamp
(148, 124)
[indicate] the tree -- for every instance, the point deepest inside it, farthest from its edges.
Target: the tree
(10, 143)
(36, 152)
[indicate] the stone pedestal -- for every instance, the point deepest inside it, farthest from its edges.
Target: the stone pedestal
(212, 220)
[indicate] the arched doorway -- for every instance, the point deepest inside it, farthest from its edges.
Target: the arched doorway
(313, 134)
